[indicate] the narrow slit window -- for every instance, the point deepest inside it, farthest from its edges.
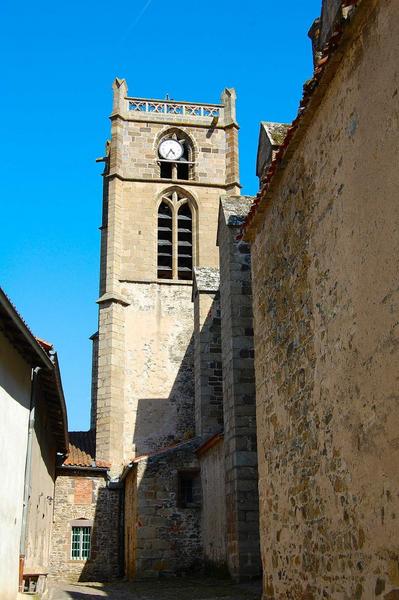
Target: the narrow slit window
(184, 242)
(183, 167)
(189, 489)
(165, 242)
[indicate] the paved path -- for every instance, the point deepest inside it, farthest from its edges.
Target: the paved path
(161, 589)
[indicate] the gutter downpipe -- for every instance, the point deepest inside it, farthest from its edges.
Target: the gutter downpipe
(28, 475)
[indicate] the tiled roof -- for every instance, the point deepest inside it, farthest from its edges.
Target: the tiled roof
(313, 90)
(82, 451)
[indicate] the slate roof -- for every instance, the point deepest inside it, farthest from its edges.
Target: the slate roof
(271, 136)
(235, 209)
(82, 451)
(275, 131)
(206, 279)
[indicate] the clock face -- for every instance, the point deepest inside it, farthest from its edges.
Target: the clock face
(171, 149)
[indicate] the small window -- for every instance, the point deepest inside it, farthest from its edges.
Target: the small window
(189, 489)
(81, 543)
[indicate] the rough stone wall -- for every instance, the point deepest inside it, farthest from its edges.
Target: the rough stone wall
(85, 496)
(168, 536)
(238, 392)
(208, 364)
(324, 269)
(158, 372)
(213, 520)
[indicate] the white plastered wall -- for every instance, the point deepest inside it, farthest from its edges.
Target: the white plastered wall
(15, 385)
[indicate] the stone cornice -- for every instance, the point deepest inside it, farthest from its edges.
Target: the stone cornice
(113, 297)
(168, 121)
(159, 281)
(181, 182)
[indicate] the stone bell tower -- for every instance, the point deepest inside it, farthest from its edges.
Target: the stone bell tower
(166, 166)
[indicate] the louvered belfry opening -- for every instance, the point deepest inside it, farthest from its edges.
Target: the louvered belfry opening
(184, 242)
(165, 242)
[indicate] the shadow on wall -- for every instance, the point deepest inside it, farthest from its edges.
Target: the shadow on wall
(161, 422)
(162, 509)
(162, 523)
(105, 562)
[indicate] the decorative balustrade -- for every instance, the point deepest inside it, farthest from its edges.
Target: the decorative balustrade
(168, 107)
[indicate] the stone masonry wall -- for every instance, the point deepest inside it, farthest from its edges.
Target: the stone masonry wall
(139, 226)
(85, 496)
(158, 367)
(238, 392)
(127, 398)
(168, 535)
(325, 265)
(208, 364)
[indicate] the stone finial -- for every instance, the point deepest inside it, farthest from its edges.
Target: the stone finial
(119, 87)
(228, 98)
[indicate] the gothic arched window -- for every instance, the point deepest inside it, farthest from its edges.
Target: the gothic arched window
(180, 165)
(175, 236)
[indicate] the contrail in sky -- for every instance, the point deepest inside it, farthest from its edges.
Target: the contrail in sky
(135, 21)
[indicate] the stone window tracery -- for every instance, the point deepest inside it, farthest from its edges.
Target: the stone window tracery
(175, 242)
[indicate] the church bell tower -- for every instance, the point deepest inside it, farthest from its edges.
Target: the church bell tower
(166, 166)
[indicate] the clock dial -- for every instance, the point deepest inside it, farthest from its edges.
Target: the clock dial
(171, 149)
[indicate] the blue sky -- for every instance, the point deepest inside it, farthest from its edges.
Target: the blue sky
(58, 64)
